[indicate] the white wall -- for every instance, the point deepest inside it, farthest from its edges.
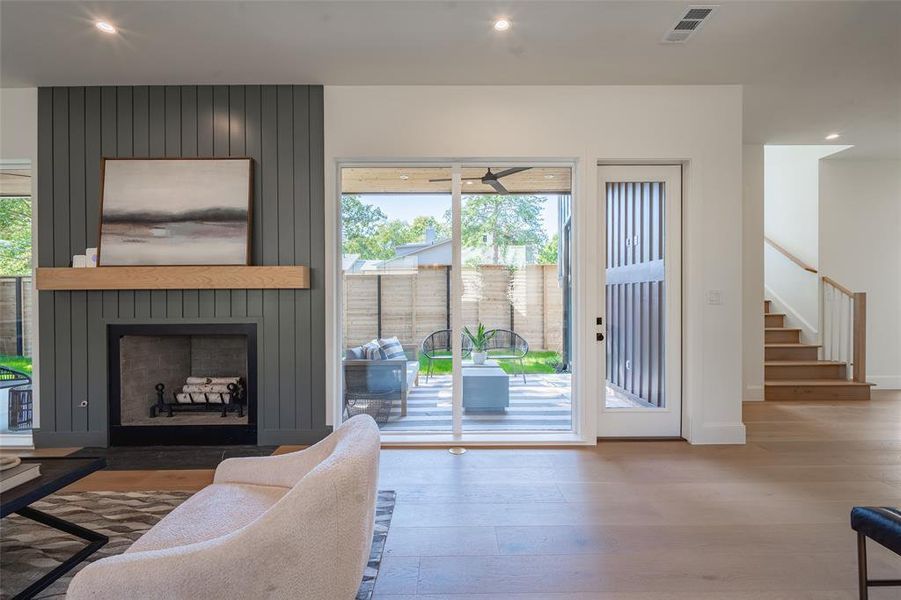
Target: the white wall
(697, 124)
(860, 247)
(791, 219)
(752, 272)
(19, 124)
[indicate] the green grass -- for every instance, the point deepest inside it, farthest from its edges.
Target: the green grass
(536, 361)
(16, 363)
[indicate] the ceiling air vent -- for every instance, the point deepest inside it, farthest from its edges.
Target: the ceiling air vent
(688, 24)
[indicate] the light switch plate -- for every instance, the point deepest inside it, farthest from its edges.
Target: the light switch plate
(714, 297)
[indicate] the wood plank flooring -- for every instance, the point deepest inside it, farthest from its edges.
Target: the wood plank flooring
(637, 520)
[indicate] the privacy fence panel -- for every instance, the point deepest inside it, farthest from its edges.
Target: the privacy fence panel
(412, 305)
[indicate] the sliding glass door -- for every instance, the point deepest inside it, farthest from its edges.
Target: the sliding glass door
(469, 268)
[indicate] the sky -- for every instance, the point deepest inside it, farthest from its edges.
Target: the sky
(408, 206)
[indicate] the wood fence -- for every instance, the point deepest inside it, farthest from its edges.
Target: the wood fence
(15, 316)
(528, 300)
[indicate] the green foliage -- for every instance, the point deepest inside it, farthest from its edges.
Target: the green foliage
(22, 364)
(480, 338)
(15, 236)
(548, 253)
(367, 231)
(492, 221)
(536, 362)
(498, 221)
(359, 223)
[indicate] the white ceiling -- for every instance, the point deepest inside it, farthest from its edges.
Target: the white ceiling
(809, 67)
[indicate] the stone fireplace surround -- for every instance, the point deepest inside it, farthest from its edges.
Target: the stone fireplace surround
(142, 355)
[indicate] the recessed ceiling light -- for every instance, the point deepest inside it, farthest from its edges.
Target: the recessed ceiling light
(548, 176)
(105, 27)
(501, 25)
(404, 177)
(833, 136)
(468, 183)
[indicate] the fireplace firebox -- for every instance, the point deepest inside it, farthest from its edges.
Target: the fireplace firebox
(182, 384)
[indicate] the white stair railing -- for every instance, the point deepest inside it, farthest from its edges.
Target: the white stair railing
(843, 327)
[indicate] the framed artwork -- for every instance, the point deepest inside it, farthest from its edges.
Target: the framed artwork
(185, 211)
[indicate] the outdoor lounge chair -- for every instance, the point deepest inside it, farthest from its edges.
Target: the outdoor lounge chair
(508, 345)
(437, 346)
(380, 381)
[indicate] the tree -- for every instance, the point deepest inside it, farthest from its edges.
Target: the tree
(359, 224)
(499, 221)
(389, 236)
(15, 236)
(420, 224)
(548, 253)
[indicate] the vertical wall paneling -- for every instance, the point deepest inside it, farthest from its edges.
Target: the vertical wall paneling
(269, 172)
(61, 233)
(78, 242)
(280, 127)
(96, 408)
(286, 333)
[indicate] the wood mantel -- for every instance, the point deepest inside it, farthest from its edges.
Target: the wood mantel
(174, 278)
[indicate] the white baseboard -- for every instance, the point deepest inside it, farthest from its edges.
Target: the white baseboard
(719, 433)
(809, 332)
(885, 382)
(753, 393)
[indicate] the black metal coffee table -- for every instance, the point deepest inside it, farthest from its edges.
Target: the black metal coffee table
(56, 473)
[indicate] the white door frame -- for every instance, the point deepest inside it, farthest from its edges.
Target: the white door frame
(645, 422)
(584, 407)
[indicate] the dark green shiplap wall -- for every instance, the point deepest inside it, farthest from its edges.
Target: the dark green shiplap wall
(281, 128)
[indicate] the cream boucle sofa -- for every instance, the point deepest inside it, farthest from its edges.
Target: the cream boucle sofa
(293, 526)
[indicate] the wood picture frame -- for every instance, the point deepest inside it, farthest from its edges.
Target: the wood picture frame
(175, 211)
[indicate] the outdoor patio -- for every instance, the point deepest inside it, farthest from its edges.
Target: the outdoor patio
(542, 403)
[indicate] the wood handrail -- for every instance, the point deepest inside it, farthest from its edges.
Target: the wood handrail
(838, 286)
(790, 256)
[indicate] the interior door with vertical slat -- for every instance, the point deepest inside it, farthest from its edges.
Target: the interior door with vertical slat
(641, 284)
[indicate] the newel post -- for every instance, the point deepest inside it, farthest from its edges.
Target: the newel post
(860, 337)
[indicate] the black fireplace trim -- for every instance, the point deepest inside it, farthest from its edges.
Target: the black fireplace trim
(193, 435)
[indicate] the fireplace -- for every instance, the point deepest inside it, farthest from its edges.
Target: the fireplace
(182, 384)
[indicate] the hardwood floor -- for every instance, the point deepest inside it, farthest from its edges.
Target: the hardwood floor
(638, 520)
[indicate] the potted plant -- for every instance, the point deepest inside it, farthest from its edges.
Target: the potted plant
(479, 341)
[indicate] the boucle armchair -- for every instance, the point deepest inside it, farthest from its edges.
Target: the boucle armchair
(293, 526)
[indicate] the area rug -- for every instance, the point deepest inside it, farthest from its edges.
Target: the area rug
(28, 549)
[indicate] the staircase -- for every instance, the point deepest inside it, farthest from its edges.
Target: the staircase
(792, 370)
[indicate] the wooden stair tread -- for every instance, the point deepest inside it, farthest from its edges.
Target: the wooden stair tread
(817, 382)
(789, 345)
(800, 363)
(766, 314)
(782, 329)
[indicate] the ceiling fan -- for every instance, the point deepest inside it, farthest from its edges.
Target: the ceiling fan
(491, 179)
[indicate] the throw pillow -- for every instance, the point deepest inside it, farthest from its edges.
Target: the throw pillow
(391, 349)
(372, 351)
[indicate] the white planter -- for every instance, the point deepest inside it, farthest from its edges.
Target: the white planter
(479, 357)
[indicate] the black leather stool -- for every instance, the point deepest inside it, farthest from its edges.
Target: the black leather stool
(880, 524)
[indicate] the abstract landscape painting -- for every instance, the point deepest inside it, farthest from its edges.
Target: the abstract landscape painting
(175, 212)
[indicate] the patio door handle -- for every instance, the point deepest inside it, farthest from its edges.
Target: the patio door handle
(600, 337)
